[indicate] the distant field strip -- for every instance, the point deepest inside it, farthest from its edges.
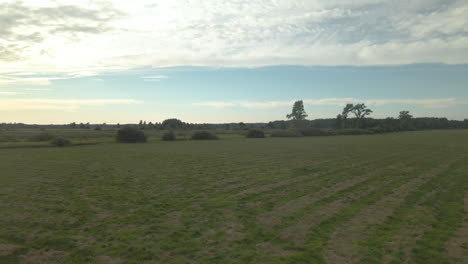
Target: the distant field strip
(394, 198)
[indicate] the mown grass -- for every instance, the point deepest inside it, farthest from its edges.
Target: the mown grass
(234, 200)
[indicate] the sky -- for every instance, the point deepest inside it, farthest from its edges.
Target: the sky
(230, 61)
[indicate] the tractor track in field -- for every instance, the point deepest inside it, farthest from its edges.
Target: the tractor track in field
(457, 246)
(342, 246)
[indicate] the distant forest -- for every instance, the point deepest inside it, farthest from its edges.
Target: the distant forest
(391, 124)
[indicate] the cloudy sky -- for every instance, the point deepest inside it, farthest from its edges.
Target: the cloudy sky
(230, 61)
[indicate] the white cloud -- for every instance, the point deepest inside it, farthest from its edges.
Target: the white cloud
(39, 89)
(429, 103)
(28, 80)
(155, 78)
(9, 93)
(90, 37)
(217, 104)
(59, 104)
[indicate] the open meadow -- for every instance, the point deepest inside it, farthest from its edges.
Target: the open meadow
(386, 198)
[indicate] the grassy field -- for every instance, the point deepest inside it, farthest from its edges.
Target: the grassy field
(393, 198)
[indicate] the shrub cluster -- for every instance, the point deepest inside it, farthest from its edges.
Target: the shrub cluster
(8, 138)
(169, 136)
(286, 133)
(311, 132)
(44, 136)
(255, 133)
(60, 142)
(130, 135)
(354, 131)
(203, 135)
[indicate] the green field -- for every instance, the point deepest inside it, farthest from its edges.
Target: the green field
(390, 198)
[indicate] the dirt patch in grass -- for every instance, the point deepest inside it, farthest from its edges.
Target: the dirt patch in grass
(208, 233)
(255, 204)
(7, 249)
(457, 246)
(233, 227)
(108, 260)
(225, 181)
(84, 241)
(232, 234)
(268, 187)
(267, 248)
(44, 257)
(50, 219)
(101, 215)
(174, 218)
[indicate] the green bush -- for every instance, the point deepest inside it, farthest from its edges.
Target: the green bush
(286, 133)
(8, 138)
(60, 142)
(255, 133)
(311, 132)
(354, 131)
(169, 136)
(130, 135)
(203, 135)
(44, 136)
(379, 130)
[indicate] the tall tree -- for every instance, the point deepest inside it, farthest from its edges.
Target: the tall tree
(298, 113)
(405, 120)
(360, 111)
(344, 115)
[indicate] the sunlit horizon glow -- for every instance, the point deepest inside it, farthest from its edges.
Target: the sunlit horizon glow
(121, 61)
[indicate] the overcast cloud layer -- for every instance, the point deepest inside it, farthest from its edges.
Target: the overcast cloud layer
(76, 38)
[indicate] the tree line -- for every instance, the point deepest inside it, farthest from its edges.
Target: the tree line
(355, 116)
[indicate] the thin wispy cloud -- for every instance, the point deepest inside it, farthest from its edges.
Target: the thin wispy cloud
(59, 104)
(46, 89)
(28, 80)
(430, 103)
(155, 78)
(6, 93)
